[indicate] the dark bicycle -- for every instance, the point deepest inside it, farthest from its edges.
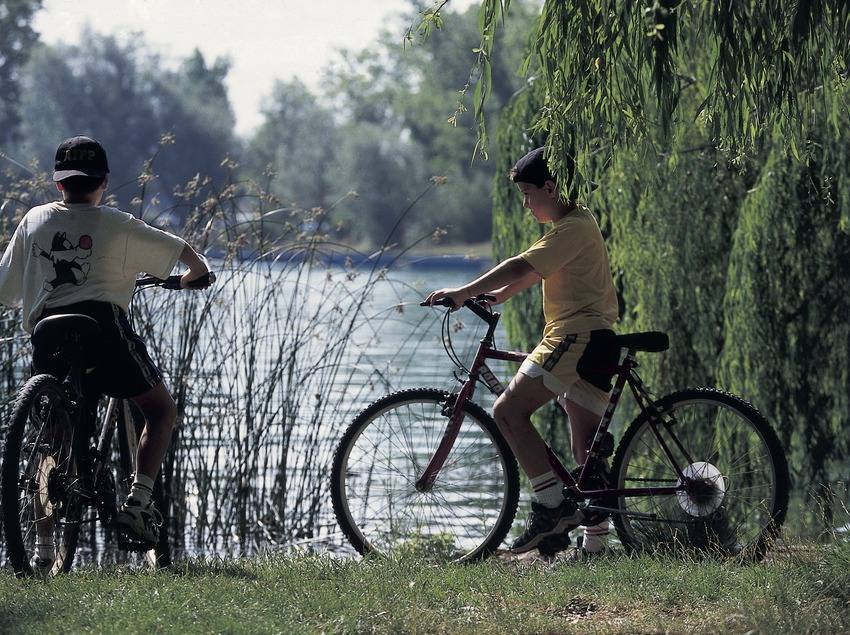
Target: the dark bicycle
(699, 469)
(58, 468)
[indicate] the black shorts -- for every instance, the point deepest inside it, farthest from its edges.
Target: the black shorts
(121, 366)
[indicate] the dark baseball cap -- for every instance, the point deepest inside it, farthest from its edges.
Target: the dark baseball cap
(79, 156)
(532, 168)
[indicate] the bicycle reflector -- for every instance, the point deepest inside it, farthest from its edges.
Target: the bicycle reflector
(705, 489)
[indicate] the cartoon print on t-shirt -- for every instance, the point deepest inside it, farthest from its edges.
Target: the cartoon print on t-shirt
(66, 260)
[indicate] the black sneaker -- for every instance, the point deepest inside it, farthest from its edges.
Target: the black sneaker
(546, 521)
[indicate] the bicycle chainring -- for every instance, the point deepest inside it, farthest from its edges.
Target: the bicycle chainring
(598, 478)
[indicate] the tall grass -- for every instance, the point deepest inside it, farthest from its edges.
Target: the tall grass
(807, 593)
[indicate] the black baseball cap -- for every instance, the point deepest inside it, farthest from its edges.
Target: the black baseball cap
(532, 168)
(79, 156)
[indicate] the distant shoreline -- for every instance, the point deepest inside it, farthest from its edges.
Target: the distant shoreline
(467, 257)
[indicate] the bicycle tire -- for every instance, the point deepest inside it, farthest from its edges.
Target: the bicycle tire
(717, 518)
(43, 484)
(131, 421)
(391, 535)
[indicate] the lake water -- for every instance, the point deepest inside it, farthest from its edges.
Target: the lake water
(268, 372)
(284, 379)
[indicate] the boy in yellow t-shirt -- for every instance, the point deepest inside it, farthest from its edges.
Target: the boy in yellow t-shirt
(580, 307)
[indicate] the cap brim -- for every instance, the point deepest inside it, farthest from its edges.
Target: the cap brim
(64, 174)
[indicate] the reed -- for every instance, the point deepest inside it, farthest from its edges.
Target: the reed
(266, 367)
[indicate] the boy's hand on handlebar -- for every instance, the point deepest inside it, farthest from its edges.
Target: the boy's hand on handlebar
(191, 280)
(456, 296)
(197, 276)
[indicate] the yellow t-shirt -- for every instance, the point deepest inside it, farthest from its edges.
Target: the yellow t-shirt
(578, 290)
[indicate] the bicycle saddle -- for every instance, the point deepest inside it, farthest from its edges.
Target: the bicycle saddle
(650, 341)
(57, 331)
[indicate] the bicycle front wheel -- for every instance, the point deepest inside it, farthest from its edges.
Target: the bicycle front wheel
(469, 509)
(40, 490)
(732, 473)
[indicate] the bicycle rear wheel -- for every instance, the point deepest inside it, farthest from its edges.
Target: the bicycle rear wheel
(733, 467)
(41, 498)
(469, 509)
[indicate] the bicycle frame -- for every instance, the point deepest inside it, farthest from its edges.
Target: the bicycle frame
(104, 430)
(86, 424)
(625, 374)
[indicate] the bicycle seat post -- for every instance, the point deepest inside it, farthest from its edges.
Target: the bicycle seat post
(73, 353)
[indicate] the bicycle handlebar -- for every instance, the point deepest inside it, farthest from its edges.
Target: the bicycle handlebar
(173, 282)
(473, 304)
(446, 302)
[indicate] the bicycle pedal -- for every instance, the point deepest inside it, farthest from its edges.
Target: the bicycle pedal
(128, 543)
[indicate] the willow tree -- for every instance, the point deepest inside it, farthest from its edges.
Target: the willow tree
(613, 73)
(786, 308)
(672, 217)
(673, 109)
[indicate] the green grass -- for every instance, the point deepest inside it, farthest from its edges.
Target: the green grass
(802, 592)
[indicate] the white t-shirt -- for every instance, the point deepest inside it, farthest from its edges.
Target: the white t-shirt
(63, 253)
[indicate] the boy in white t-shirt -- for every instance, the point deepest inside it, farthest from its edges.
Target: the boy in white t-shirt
(77, 256)
(575, 358)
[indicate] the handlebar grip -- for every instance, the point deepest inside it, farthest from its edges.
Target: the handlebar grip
(441, 302)
(171, 282)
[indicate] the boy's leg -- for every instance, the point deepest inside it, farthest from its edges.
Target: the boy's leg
(550, 514)
(512, 412)
(160, 413)
(138, 515)
(583, 425)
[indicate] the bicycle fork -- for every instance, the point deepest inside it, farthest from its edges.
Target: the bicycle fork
(455, 403)
(425, 482)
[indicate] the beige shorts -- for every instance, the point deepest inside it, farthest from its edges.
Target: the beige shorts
(578, 368)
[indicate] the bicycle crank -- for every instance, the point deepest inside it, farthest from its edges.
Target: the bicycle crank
(596, 509)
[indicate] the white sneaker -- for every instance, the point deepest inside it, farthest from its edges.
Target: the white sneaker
(140, 522)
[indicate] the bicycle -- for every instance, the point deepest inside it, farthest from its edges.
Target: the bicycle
(53, 474)
(428, 470)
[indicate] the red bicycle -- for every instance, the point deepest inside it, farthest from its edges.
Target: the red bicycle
(426, 469)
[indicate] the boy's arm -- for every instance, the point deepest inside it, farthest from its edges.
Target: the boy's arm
(511, 271)
(197, 266)
(510, 290)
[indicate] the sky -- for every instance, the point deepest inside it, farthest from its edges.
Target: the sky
(264, 39)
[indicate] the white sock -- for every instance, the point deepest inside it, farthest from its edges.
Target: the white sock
(596, 537)
(142, 489)
(548, 489)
